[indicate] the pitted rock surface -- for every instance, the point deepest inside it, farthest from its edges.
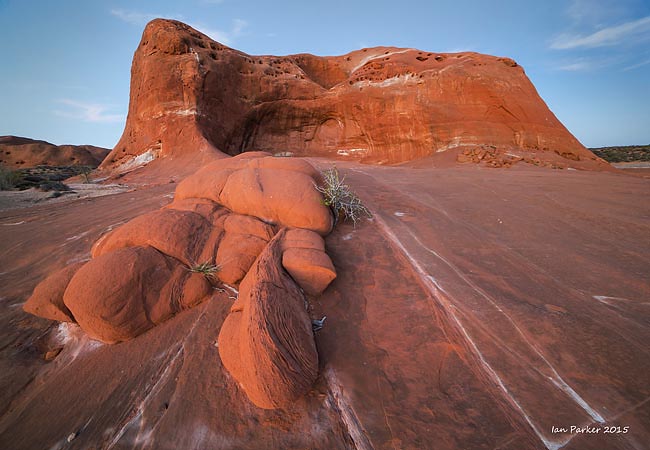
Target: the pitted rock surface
(192, 95)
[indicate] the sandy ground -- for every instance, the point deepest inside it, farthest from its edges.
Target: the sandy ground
(478, 308)
(641, 169)
(31, 197)
(632, 165)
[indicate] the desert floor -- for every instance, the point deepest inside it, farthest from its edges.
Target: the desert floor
(478, 308)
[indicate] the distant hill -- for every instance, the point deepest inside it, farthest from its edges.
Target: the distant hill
(21, 152)
(629, 153)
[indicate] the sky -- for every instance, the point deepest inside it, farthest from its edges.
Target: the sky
(65, 64)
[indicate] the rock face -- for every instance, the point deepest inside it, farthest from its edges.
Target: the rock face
(304, 257)
(20, 152)
(122, 294)
(276, 190)
(382, 105)
(266, 342)
(47, 299)
(252, 217)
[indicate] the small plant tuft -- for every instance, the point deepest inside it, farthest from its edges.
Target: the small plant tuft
(207, 269)
(340, 198)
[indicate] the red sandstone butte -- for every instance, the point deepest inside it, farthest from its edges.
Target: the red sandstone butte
(381, 105)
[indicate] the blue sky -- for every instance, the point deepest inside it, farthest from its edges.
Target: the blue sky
(65, 68)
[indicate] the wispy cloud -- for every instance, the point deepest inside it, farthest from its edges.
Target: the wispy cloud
(227, 37)
(576, 67)
(610, 36)
(88, 112)
(467, 48)
(238, 26)
(596, 11)
(580, 65)
(584, 64)
(133, 17)
(636, 66)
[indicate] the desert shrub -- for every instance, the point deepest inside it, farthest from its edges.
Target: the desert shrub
(207, 269)
(8, 179)
(340, 198)
(84, 171)
(630, 153)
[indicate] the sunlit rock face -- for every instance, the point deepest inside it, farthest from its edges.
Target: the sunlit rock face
(190, 94)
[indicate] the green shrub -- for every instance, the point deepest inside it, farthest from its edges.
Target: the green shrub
(340, 198)
(8, 179)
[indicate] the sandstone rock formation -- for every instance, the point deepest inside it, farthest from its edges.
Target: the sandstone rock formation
(266, 342)
(179, 234)
(190, 94)
(47, 299)
(120, 295)
(471, 312)
(304, 257)
(277, 190)
(252, 210)
(20, 153)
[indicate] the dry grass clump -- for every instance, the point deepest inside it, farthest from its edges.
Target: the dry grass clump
(207, 269)
(340, 198)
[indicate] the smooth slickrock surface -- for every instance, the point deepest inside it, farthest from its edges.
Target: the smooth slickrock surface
(193, 96)
(475, 311)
